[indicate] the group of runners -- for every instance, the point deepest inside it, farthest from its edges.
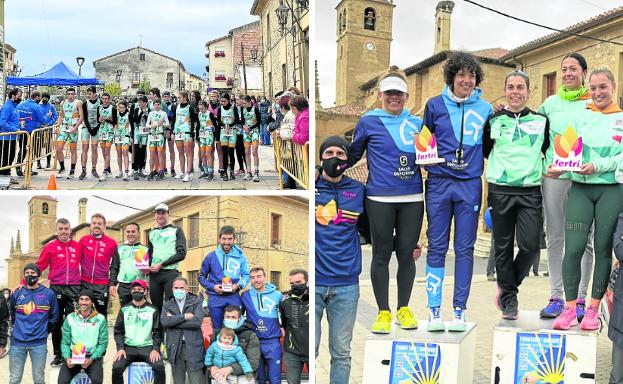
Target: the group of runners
(581, 207)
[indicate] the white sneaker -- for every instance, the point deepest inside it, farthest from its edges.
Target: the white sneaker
(458, 321)
(247, 176)
(186, 178)
(125, 176)
(119, 175)
(190, 176)
(179, 176)
(435, 323)
(104, 176)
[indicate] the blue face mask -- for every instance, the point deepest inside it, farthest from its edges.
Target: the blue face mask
(179, 294)
(233, 324)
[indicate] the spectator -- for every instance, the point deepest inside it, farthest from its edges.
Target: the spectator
(5, 319)
(35, 312)
(181, 319)
(294, 309)
(264, 107)
(138, 335)
(224, 352)
(615, 326)
(300, 109)
(50, 115)
(31, 117)
(9, 122)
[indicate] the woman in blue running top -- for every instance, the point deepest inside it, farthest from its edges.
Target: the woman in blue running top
(394, 194)
(453, 189)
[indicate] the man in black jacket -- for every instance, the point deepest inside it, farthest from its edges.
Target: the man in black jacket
(4, 325)
(247, 340)
(181, 319)
(294, 309)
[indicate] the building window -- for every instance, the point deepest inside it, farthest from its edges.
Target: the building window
(275, 278)
(220, 76)
(193, 281)
(193, 229)
(219, 52)
(343, 22)
(550, 84)
(178, 223)
(369, 19)
(136, 78)
(44, 208)
(169, 80)
(275, 230)
(241, 237)
(284, 77)
(141, 57)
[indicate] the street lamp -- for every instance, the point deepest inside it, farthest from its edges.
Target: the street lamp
(282, 16)
(118, 77)
(79, 61)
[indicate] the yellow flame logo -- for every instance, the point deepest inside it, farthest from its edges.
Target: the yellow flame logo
(568, 142)
(326, 213)
(425, 139)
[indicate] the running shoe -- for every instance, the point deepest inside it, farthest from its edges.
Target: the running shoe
(435, 323)
(590, 322)
(104, 175)
(57, 361)
(256, 177)
(186, 178)
(491, 277)
(95, 174)
(178, 176)
(83, 174)
(383, 321)
(71, 175)
(231, 175)
(125, 176)
(61, 172)
(119, 175)
(498, 299)
(210, 176)
(566, 320)
(247, 176)
(173, 172)
(458, 324)
(203, 175)
(136, 176)
(553, 309)
(511, 309)
(406, 319)
(160, 176)
(580, 308)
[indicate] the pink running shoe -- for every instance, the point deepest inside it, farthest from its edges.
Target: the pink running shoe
(590, 322)
(566, 319)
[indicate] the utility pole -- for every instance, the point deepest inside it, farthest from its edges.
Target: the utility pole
(244, 68)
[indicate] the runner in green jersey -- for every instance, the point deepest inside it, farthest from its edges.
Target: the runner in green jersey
(184, 132)
(123, 270)
(122, 139)
(206, 140)
(251, 118)
(69, 120)
(157, 122)
(107, 119)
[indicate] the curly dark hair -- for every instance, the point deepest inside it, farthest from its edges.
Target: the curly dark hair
(462, 61)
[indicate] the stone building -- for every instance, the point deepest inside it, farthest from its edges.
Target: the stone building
(195, 83)
(285, 44)
(260, 222)
(221, 67)
(141, 64)
(10, 64)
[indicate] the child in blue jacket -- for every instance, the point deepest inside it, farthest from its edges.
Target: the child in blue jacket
(226, 352)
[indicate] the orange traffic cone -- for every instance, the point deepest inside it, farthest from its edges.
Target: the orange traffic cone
(52, 183)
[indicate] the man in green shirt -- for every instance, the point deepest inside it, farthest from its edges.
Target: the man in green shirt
(84, 331)
(123, 269)
(167, 247)
(138, 335)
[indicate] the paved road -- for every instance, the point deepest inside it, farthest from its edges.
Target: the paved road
(269, 179)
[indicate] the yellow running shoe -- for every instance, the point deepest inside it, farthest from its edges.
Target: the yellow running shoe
(406, 319)
(383, 322)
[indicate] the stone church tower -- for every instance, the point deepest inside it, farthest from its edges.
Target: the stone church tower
(364, 36)
(41, 224)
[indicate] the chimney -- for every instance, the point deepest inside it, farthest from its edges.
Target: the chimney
(442, 26)
(82, 210)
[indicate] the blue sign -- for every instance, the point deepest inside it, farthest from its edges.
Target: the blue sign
(540, 358)
(414, 362)
(140, 373)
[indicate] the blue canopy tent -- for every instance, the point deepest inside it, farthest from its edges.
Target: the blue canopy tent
(59, 75)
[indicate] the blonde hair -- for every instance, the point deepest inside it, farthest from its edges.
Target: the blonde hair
(604, 70)
(228, 332)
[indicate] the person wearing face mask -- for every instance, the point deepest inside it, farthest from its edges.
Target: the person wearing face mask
(261, 303)
(454, 188)
(294, 309)
(62, 255)
(122, 266)
(214, 106)
(32, 116)
(394, 202)
(9, 122)
(595, 196)
(247, 341)
(97, 251)
(224, 272)
(138, 335)
(181, 319)
(339, 204)
(5, 321)
(50, 115)
(35, 312)
(514, 140)
(89, 328)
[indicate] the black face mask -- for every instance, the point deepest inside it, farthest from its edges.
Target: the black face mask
(44, 101)
(334, 167)
(298, 289)
(31, 280)
(138, 296)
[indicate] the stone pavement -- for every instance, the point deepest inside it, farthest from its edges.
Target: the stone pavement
(533, 295)
(269, 180)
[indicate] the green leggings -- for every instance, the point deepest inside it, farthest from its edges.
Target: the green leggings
(588, 202)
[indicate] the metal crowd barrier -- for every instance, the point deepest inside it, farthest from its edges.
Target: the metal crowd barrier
(10, 149)
(292, 159)
(42, 143)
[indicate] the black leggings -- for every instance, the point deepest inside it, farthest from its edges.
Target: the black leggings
(140, 155)
(229, 158)
(406, 219)
(240, 151)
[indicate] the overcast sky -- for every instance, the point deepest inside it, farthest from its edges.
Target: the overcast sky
(473, 28)
(16, 217)
(46, 32)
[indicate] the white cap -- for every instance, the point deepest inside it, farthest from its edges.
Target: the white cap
(393, 83)
(161, 207)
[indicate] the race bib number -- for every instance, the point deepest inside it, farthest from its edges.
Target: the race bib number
(154, 138)
(119, 139)
(65, 128)
(180, 135)
(228, 131)
(204, 134)
(143, 131)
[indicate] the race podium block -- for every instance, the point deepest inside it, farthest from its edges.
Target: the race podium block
(418, 356)
(52, 376)
(528, 350)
